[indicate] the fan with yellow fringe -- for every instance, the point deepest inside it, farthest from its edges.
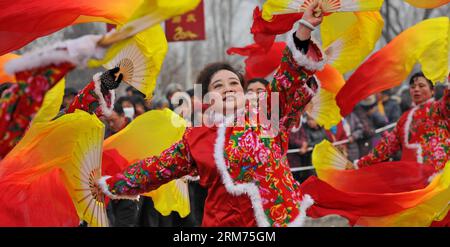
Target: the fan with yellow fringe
(82, 174)
(173, 196)
(326, 156)
(277, 7)
(323, 109)
(134, 67)
(148, 135)
(51, 104)
(139, 46)
(349, 37)
(47, 177)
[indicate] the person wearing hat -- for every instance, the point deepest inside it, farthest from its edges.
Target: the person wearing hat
(391, 107)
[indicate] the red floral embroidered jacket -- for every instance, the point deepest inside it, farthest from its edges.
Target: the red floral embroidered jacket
(92, 100)
(246, 171)
(422, 133)
(23, 99)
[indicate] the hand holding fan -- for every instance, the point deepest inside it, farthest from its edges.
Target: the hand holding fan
(326, 156)
(81, 176)
(144, 63)
(133, 66)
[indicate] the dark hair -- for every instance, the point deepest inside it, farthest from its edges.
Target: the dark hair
(254, 80)
(420, 74)
(124, 98)
(205, 76)
(190, 92)
(70, 91)
(118, 108)
(135, 99)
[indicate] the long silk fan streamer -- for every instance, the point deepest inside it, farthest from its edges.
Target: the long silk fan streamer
(23, 21)
(259, 63)
(264, 32)
(149, 135)
(427, 4)
(34, 188)
(323, 109)
(51, 104)
(349, 37)
(426, 43)
(384, 194)
(277, 7)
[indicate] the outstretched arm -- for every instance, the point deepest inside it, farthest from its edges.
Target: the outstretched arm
(36, 73)
(150, 173)
(301, 59)
(390, 143)
(99, 95)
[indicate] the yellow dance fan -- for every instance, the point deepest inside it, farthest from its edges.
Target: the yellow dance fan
(323, 109)
(141, 64)
(133, 66)
(349, 37)
(326, 156)
(277, 7)
(81, 175)
(127, 145)
(51, 104)
(52, 169)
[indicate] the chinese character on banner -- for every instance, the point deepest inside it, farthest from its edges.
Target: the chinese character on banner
(187, 27)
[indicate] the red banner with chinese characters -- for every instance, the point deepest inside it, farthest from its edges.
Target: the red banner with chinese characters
(187, 27)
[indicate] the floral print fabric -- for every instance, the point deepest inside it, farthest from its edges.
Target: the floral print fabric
(251, 156)
(23, 99)
(427, 137)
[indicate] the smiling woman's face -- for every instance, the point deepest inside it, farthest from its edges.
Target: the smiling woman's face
(227, 85)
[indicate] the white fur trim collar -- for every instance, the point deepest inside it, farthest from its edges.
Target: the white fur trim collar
(104, 186)
(416, 146)
(107, 111)
(250, 188)
(423, 103)
(302, 59)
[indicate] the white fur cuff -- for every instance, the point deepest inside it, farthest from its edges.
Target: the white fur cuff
(303, 59)
(105, 189)
(76, 52)
(191, 178)
(307, 202)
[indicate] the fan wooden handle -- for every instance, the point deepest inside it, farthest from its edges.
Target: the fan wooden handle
(317, 12)
(131, 29)
(116, 36)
